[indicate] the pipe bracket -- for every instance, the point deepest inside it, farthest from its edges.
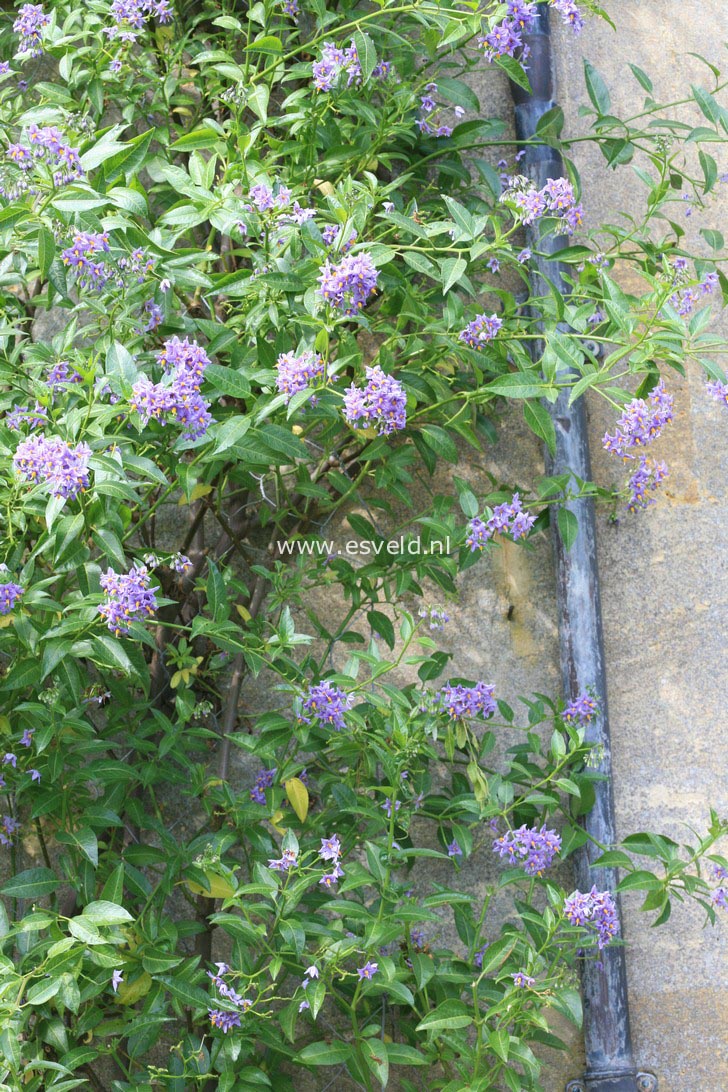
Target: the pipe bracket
(640, 1082)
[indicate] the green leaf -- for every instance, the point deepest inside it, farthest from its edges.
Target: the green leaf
(366, 54)
(401, 1054)
(31, 884)
(500, 1042)
(539, 421)
(640, 881)
(46, 250)
(449, 1015)
(382, 625)
(440, 442)
(596, 88)
(84, 840)
(642, 78)
(43, 991)
(377, 1058)
(452, 270)
(710, 170)
(216, 592)
(322, 1053)
(613, 858)
(102, 912)
(568, 527)
(518, 385)
(714, 239)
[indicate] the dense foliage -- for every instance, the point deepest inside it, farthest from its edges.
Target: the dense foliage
(261, 266)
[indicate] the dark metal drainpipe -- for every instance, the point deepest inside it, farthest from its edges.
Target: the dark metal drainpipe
(610, 1064)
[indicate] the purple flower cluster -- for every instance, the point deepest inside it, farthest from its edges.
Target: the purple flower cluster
(61, 374)
(556, 199)
(81, 257)
(179, 397)
(582, 708)
(505, 39)
(44, 145)
(30, 23)
(349, 284)
(335, 61)
(331, 235)
(382, 402)
(438, 618)
(295, 373)
(467, 701)
(506, 519)
(128, 598)
(481, 330)
(687, 298)
(263, 781)
(284, 863)
(530, 848)
(130, 17)
(595, 911)
(331, 851)
(226, 1021)
(428, 121)
(717, 390)
(719, 897)
(569, 13)
(10, 593)
(327, 704)
(648, 475)
(640, 423)
(8, 827)
(24, 415)
(522, 980)
(50, 460)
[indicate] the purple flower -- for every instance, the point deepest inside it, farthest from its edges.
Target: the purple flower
(128, 599)
(368, 970)
(387, 806)
(312, 971)
(53, 462)
(641, 422)
(327, 704)
(9, 595)
(719, 897)
(333, 62)
(117, 977)
(528, 847)
(263, 781)
(226, 1021)
(285, 863)
(61, 374)
(504, 40)
(30, 24)
(26, 739)
(582, 708)
(4, 68)
(330, 879)
(349, 284)
(646, 476)
(8, 828)
(178, 396)
(262, 197)
(481, 330)
(569, 13)
(467, 701)
(295, 373)
(303, 1006)
(719, 872)
(10, 759)
(523, 980)
(506, 518)
(81, 258)
(454, 850)
(330, 848)
(555, 198)
(478, 957)
(594, 911)
(524, 256)
(34, 775)
(23, 415)
(493, 265)
(382, 402)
